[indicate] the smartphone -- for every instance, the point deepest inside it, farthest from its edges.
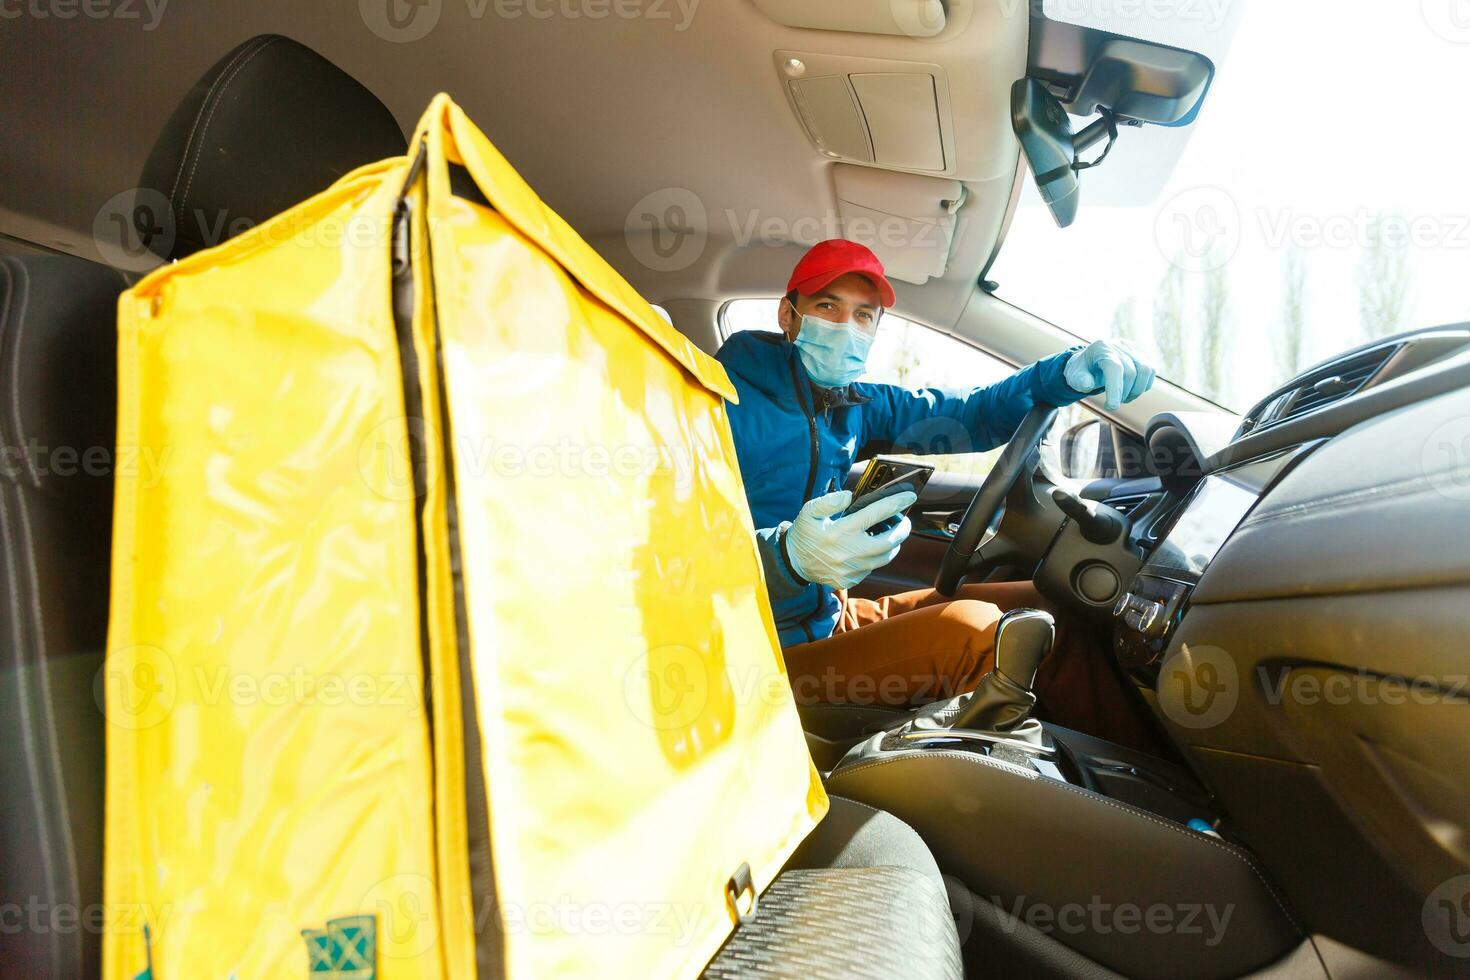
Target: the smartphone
(884, 478)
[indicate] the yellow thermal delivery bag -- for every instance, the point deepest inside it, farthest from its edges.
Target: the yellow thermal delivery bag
(440, 646)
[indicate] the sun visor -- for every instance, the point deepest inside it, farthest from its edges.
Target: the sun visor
(908, 220)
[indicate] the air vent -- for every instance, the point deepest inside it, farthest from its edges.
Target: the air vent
(1127, 505)
(1319, 388)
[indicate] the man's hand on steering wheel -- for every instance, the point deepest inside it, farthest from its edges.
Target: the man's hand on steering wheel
(978, 541)
(1106, 367)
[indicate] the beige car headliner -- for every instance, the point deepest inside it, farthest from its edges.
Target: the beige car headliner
(596, 111)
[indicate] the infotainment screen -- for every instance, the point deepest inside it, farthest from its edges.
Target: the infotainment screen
(1218, 505)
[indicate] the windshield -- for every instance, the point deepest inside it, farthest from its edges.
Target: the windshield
(1318, 201)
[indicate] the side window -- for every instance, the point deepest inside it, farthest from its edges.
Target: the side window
(911, 355)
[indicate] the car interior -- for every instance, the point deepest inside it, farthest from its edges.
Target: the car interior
(1218, 559)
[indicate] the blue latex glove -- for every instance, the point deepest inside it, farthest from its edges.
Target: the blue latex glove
(838, 551)
(1109, 365)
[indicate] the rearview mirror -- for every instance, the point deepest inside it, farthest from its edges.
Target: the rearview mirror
(1124, 81)
(1045, 132)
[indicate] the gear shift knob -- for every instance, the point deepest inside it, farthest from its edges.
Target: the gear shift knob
(1022, 638)
(1002, 701)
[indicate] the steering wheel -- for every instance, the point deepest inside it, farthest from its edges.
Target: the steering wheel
(979, 544)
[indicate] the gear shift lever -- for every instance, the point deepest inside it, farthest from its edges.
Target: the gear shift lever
(1001, 703)
(1003, 699)
(998, 712)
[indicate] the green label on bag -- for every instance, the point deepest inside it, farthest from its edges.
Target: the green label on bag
(347, 949)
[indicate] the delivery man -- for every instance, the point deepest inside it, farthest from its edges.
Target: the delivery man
(803, 418)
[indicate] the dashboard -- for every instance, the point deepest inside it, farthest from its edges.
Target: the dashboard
(1211, 474)
(1183, 532)
(1293, 583)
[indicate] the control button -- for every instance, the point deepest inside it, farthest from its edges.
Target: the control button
(1097, 583)
(1151, 620)
(1175, 601)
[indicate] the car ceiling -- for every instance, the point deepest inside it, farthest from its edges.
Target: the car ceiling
(597, 113)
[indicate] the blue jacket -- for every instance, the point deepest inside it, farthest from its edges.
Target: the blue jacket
(797, 441)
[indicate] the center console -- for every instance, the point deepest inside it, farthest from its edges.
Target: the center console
(1070, 757)
(1037, 821)
(995, 723)
(1064, 844)
(1182, 541)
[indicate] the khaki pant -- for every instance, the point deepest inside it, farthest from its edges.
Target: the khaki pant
(915, 647)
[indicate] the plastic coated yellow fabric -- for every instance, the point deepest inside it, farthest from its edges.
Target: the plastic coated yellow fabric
(640, 738)
(270, 773)
(268, 754)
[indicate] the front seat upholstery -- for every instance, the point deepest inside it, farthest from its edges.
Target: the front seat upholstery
(861, 897)
(57, 354)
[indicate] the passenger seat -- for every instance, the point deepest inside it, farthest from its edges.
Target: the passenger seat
(57, 361)
(861, 897)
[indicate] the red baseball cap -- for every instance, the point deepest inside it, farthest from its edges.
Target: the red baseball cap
(835, 257)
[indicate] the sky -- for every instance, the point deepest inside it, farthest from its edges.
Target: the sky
(1321, 116)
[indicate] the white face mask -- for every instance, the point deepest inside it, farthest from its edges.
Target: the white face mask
(834, 354)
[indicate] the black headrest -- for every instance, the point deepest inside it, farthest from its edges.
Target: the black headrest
(271, 124)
